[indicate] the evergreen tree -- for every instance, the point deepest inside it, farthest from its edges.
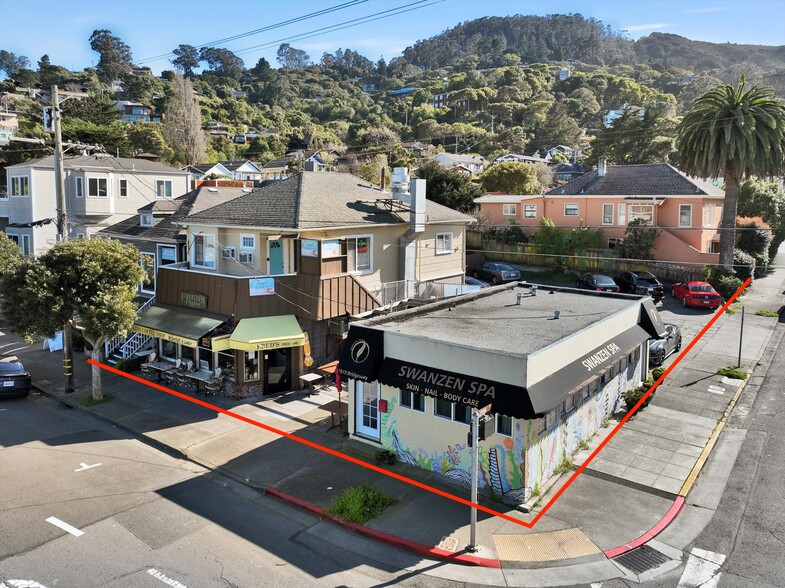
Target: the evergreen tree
(115, 55)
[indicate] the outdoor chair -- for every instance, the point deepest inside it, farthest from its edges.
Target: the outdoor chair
(171, 374)
(213, 386)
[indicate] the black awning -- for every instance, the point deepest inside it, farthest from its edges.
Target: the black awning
(549, 392)
(362, 354)
(506, 399)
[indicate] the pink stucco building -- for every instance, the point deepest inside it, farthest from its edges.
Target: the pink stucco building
(687, 210)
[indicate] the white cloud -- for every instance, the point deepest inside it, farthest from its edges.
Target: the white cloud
(647, 27)
(706, 10)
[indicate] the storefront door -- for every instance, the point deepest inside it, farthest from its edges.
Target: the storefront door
(367, 417)
(277, 370)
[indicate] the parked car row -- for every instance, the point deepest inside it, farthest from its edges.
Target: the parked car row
(14, 379)
(496, 272)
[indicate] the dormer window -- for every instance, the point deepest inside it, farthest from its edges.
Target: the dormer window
(145, 219)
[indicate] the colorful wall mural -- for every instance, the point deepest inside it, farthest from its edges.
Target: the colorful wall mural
(511, 468)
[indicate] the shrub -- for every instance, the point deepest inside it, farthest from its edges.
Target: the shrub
(769, 313)
(385, 456)
(731, 372)
(360, 504)
(632, 396)
(657, 372)
(565, 465)
(743, 263)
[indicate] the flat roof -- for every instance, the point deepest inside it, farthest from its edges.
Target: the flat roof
(491, 320)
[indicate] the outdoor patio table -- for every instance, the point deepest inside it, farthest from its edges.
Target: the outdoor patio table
(160, 367)
(199, 377)
(310, 379)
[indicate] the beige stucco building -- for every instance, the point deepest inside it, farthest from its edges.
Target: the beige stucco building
(552, 365)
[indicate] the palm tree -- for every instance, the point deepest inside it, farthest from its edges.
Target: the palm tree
(733, 133)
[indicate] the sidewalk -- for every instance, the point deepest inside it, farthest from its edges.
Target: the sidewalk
(633, 488)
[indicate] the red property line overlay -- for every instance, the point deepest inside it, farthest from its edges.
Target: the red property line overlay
(420, 485)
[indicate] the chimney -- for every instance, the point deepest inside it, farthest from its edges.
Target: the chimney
(601, 167)
(417, 205)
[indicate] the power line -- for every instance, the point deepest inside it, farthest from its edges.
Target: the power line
(263, 29)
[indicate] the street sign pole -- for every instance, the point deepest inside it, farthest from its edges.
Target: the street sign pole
(476, 414)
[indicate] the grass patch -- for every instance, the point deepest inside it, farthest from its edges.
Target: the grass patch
(565, 465)
(88, 401)
(360, 504)
(536, 490)
(734, 308)
(769, 313)
(583, 446)
(731, 372)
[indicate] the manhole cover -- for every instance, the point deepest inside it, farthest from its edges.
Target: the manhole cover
(449, 544)
(641, 560)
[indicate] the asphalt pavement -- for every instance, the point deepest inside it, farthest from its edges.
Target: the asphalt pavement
(652, 483)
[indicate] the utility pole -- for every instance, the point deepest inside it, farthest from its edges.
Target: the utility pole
(62, 231)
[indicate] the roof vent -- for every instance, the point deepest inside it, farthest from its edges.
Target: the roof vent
(212, 189)
(556, 314)
(247, 190)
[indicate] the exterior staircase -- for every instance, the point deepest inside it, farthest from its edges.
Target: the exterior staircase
(123, 347)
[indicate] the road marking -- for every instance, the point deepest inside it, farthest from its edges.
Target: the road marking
(702, 570)
(716, 389)
(65, 526)
(171, 581)
(87, 467)
(21, 584)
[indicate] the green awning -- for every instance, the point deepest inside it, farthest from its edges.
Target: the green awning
(268, 332)
(175, 326)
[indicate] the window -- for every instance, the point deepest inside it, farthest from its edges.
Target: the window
(163, 188)
(685, 215)
(412, 400)
(251, 366)
(123, 191)
(504, 425)
(548, 421)
(442, 408)
(586, 391)
(204, 251)
(358, 254)
(711, 214)
(96, 188)
(79, 187)
(607, 214)
(20, 186)
(145, 220)
(80, 235)
(443, 243)
(227, 252)
(529, 211)
(622, 214)
(246, 257)
(570, 210)
(247, 242)
(508, 209)
(26, 248)
(460, 413)
(568, 405)
(642, 211)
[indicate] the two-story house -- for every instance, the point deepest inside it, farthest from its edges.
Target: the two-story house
(100, 190)
(686, 210)
(135, 112)
(297, 258)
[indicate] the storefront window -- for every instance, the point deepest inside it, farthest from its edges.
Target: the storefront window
(187, 354)
(251, 366)
(205, 363)
(226, 363)
(168, 350)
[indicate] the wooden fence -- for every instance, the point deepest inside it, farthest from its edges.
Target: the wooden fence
(579, 262)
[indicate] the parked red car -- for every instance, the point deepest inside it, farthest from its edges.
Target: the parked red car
(697, 294)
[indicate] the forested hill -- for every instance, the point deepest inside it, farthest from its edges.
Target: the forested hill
(561, 37)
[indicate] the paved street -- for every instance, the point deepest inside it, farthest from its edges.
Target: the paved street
(84, 505)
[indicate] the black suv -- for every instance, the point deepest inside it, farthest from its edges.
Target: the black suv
(643, 283)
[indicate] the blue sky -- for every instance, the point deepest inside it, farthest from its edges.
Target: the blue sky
(154, 27)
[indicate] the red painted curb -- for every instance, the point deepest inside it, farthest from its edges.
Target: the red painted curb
(418, 548)
(674, 510)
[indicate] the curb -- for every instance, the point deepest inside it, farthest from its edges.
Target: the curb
(418, 548)
(672, 513)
